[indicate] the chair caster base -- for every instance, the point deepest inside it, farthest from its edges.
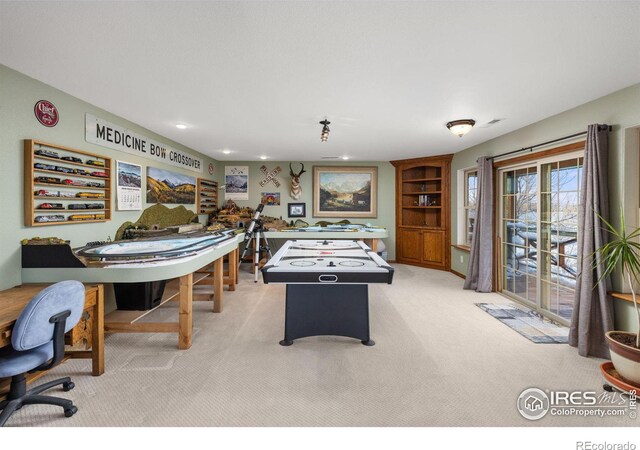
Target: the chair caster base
(68, 386)
(285, 343)
(68, 412)
(369, 343)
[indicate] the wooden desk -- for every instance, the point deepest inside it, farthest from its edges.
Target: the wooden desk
(13, 301)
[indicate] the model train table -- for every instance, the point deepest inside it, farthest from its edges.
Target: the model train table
(327, 287)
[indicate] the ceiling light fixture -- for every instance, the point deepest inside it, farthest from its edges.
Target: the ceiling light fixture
(226, 152)
(263, 157)
(324, 136)
(461, 127)
(345, 157)
(181, 126)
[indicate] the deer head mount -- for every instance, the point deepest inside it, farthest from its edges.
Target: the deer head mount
(296, 189)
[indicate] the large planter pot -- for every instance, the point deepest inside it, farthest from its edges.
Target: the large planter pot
(625, 358)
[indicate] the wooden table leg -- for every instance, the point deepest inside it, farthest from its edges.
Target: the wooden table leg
(97, 335)
(233, 269)
(372, 243)
(236, 260)
(218, 270)
(185, 329)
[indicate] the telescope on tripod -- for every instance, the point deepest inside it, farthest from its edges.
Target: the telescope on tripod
(254, 235)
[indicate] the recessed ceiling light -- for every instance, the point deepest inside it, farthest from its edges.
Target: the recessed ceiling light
(181, 126)
(226, 152)
(263, 157)
(345, 157)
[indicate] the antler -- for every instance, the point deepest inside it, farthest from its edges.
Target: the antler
(296, 175)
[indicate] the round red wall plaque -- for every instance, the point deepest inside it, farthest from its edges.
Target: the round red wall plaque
(46, 113)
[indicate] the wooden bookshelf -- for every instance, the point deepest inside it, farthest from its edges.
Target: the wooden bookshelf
(422, 211)
(207, 196)
(33, 201)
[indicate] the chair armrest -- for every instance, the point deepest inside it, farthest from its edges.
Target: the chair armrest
(59, 322)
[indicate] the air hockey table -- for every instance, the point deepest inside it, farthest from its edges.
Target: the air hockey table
(327, 287)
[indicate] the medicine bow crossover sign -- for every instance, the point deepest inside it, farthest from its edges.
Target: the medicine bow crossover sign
(99, 131)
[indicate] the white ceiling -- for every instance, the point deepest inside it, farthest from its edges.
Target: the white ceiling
(256, 77)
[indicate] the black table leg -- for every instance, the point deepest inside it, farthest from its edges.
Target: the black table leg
(327, 309)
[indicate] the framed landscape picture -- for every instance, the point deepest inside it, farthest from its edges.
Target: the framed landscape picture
(345, 191)
(164, 186)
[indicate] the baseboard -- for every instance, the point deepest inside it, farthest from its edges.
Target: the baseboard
(458, 273)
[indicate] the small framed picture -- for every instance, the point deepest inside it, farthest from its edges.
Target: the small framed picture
(297, 209)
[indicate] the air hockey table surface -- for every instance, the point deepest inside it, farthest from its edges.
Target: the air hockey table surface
(327, 287)
(326, 261)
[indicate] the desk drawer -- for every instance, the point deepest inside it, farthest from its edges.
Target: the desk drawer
(5, 336)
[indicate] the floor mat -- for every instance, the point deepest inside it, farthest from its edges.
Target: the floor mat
(528, 323)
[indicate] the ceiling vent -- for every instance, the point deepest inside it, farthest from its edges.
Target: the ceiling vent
(494, 121)
(329, 157)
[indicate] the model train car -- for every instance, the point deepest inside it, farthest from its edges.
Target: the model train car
(72, 159)
(93, 162)
(64, 169)
(86, 206)
(89, 195)
(41, 166)
(73, 182)
(47, 153)
(48, 193)
(94, 184)
(49, 218)
(99, 174)
(51, 180)
(51, 206)
(81, 217)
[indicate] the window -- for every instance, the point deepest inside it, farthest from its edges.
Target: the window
(470, 199)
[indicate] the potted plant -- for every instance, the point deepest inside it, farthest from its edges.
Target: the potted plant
(624, 251)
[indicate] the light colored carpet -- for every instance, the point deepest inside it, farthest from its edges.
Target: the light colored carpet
(438, 361)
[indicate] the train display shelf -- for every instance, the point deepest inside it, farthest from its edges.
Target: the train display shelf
(55, 172)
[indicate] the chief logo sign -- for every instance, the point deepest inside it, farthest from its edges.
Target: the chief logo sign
(46, 113)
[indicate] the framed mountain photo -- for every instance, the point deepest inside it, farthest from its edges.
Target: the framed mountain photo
(340, 191)
(164, 186)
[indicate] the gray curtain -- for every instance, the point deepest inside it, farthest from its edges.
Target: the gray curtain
(479, 270)
(592, 311)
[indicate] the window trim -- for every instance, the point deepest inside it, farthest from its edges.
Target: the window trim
(463, 176)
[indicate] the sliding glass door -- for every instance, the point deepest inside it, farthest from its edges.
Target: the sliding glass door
(538, 233)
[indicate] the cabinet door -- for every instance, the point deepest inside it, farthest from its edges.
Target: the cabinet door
(410, 245)
(433, 247)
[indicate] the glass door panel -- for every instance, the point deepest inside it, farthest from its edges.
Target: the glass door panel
(539, 231)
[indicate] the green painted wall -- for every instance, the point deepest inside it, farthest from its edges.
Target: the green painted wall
(18, 95)
(620, 109)
(386, 192)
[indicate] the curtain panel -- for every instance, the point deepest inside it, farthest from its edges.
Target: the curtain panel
(479, 269)
(592, 312)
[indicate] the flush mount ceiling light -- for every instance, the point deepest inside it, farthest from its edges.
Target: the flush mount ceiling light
(181, 126)
(263, 157)
(226, 152)
(345, 158)
(324, 136)
(461, 127)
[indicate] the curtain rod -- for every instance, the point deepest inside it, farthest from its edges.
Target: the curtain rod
(530, 148)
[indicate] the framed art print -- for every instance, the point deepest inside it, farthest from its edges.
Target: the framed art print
(297, 209)
(340, 191)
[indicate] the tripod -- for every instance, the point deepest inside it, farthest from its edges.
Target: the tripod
(260, 243)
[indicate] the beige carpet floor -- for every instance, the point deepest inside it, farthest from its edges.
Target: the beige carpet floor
(438, 361)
